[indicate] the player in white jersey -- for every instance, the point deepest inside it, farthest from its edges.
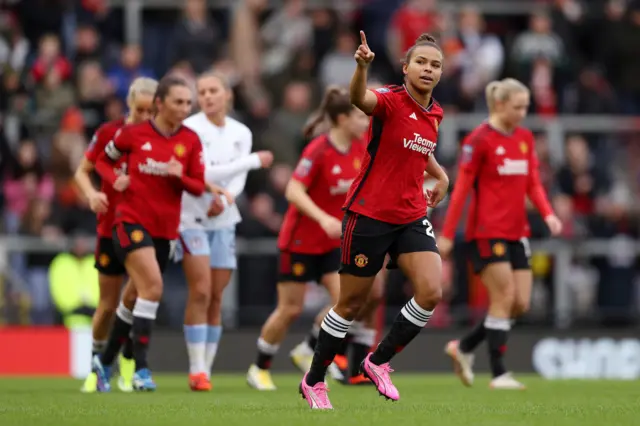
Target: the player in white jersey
(207, 224)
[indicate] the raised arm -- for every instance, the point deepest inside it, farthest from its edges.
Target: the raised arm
(362, 98)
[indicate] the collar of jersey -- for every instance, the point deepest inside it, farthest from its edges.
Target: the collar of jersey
(428, 108)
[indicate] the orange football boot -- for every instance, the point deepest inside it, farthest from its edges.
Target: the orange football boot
(199, 382)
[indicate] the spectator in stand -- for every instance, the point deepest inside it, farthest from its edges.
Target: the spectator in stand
(284, 136)
(129, 69)
(620, 55)
(480, 60)
(27, 180)
(87, 45)
(14, 48)
(286, 32)
(591, 93)
(582, 186)
(196, 39)
(50, 59)
(93, 89)
(538, 55)
(408, 22)
(53, 97)
(337, 66)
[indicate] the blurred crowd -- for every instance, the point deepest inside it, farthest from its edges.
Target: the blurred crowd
(65, 66)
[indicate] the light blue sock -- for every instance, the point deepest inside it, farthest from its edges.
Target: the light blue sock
(214, 332)
(196, 338)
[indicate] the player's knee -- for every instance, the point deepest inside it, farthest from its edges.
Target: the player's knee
(349, 307)
(215, 300)
(108, 303)
(200, 295)
(129, 297)
(290, 312)
(152, 290)
(428, 296)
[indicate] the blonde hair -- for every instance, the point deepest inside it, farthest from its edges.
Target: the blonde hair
(223, 79)
(141, 85)
(500, 91)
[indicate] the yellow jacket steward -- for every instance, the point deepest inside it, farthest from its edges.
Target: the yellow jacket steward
(73, 284)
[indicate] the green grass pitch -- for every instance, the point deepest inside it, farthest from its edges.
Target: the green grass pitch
(438, 400)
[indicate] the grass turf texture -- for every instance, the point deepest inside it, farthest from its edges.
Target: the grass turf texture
(425, 399)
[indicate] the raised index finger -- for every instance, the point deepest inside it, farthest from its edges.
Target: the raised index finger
(363, 38)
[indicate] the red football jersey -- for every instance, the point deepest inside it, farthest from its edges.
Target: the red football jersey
(402, 136)
(101, 138)
(327, 173)
(500, 170)
(153, 198)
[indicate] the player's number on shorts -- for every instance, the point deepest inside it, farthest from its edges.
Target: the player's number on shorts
(429, 228)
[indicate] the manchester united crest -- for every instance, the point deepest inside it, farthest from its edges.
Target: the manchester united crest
(104, 260)
(180, 150)
(297, 269)
(499, 249)
(357, 163)
(137, 236)
(524, 147)
(361, 260)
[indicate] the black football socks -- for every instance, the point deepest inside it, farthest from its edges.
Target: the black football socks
(361, 343)
(119, 335)
(144, 315)
(97, 347)
(497, 334)
(407, 325)
(332, 333)
(472, 339)
(312, 338)
(266, 352)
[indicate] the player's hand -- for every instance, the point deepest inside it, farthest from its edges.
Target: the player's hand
(175, 167)
(221, 192)
(332, 227)
(364, 56)
(445, 245)
(122, 182)
(98, 202)
(437, 194)
(216, 207)
(554, 224)
(266, 158)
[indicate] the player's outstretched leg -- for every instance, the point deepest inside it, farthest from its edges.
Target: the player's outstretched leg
(102, 319)
(423, 269)
(333, 330)
(498, 278)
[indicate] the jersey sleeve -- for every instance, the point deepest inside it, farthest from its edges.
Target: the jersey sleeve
(385, 104)
(470, 162)
(309, 166)
(535, 189)
(121, 143)
(193, 176)
(96, 146)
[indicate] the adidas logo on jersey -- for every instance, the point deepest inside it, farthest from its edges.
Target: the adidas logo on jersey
(500, 150)
(413, 115)
(146, 146)
(336, 170)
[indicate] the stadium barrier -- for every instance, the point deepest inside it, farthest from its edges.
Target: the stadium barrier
(592, 354)
(563, 253)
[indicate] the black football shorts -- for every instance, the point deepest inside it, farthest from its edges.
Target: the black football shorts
(366, 242)
(302, 268)
(129, 237)
(486, 251)
(107, 261)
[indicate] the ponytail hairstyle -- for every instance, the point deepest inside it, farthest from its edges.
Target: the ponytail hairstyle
(164, 86)
(500, 91)
(141, 85)
(425, 39)
(335, 102)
